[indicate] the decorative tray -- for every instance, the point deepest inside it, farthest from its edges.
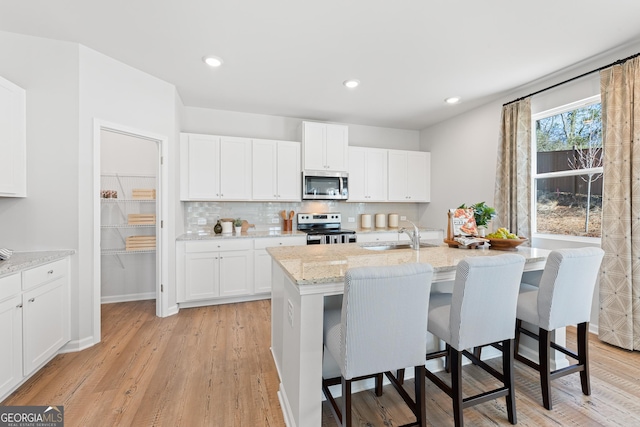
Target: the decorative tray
(453, 244)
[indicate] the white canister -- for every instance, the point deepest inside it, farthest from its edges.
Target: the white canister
(365, 221)
(381, 221)
(227, 227)
(393, 220)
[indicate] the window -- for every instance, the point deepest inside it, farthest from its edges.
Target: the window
(567, 170)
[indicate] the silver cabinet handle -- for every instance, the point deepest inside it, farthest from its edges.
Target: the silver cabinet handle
(19, 305)
(32, 299)
(50, 272)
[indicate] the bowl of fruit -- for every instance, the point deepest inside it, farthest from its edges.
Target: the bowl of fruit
(504, 240)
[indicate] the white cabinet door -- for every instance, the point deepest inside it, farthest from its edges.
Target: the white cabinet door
(288, 171)
(276, 170)
(234, 168)
(262, 271)
(313, 140)
(199, 167)
(398, 174)
(201, 271)
(376, 176)
(409, 176)
(325, 146)
(265, 167)
(13, 142)
(45, 323)
(367, 174)
(418, 182)
(262, 259)
(11, 339)
(337, 148)
(236, 273)
(358, 174)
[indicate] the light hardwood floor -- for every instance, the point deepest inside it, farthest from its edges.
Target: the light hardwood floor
(211, 366)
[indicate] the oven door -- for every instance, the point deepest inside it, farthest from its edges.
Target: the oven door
(320, 185)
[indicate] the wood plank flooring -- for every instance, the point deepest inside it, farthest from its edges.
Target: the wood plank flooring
(211, 366)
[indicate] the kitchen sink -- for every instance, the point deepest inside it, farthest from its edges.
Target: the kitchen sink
(392, 246)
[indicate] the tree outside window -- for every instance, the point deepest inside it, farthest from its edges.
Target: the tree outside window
(568, 170)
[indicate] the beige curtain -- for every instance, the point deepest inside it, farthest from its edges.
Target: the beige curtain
(619, 322)
(512, 197)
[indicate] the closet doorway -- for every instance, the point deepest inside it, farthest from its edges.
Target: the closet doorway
(130, 184)
(128, 212)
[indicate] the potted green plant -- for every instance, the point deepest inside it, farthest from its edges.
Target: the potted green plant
(483, 214)
(238, 224)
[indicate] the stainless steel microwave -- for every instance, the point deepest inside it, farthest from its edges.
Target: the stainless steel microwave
(323, 185)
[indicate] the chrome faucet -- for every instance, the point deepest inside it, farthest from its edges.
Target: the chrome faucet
(415, 235)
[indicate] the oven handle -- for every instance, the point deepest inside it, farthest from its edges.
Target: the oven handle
(314, 240)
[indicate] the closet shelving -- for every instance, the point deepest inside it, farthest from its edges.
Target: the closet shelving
(128, 212)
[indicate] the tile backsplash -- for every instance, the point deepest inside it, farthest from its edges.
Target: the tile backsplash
(202, 216)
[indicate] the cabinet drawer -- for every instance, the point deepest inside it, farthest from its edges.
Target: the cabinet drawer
(44, 273)
(10, 286)
(218, 245)
(270, 242)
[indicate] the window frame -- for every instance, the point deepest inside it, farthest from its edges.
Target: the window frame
(535, 176)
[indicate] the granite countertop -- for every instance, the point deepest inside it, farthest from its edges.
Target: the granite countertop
(252, 234)
(23, 260)
(319, 264)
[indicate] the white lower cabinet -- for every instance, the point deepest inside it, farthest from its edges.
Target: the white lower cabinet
(214, 269)
(226, 270)
(262, 259)
(11, 339)
(34, 320)
(44, 323)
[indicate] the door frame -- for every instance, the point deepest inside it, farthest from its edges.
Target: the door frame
(162, 252)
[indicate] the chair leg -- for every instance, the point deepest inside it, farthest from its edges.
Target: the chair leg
(447, 359)
(516, 344)
(508, 376)
(544, 347)
(400, 375)
(420, 392)
(456, 385)
(379, 378)
(583, 356)
(346, 403)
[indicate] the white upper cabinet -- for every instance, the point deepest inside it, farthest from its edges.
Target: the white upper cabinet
(13, 142)
(367, 174)
(215, 167)
(276, 170)
(409, 176)
(325, 147)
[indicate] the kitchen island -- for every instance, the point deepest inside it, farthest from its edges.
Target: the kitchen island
(307, 279)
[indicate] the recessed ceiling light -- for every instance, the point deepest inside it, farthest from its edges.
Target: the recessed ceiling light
(351, 83)
(212, 61)
(452, 100)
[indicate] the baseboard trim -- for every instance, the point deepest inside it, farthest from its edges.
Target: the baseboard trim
(128, 297)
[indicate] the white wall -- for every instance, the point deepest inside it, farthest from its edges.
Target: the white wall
(113, 92)
(231, 123)
(47, 217)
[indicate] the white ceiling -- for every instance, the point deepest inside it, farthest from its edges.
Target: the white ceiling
(290, 57)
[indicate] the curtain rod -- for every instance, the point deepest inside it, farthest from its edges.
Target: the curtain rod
(618, 62)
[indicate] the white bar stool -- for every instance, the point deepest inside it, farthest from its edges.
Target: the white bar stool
(380, 328)
(563, 298)
(481, 311)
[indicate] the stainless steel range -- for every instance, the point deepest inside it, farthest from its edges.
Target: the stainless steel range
(324, 229)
